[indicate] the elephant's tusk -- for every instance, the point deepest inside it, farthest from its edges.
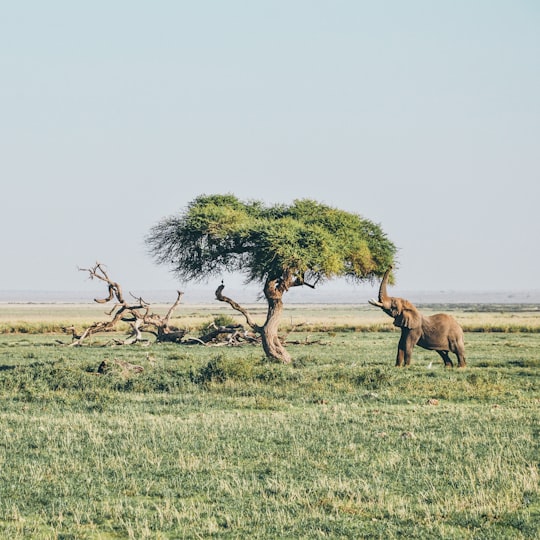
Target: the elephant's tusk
(374, 302)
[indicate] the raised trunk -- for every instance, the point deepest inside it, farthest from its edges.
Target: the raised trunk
(382, 289)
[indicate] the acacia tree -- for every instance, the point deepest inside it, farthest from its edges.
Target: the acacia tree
(280, 246)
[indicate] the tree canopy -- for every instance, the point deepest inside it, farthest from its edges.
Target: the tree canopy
(308, 240)
(279, 246)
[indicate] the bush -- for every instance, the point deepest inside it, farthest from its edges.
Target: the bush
(374, 379)
(221, 368)
(219, 320)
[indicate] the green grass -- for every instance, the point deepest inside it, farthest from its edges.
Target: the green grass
(218, 443)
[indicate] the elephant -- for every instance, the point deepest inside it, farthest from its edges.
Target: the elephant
(440, 332)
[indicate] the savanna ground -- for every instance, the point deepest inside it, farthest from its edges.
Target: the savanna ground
(215, 442)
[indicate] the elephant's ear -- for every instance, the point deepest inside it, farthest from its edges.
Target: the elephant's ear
(409, 317)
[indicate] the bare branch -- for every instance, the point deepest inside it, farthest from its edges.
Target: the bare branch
(98, 272)
(142, 302)
(137, 315)
(300, 281)
(174, 306)
(222, 298)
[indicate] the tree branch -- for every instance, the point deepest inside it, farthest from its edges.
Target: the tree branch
(137, 315)
(98, 272)
(222, 298)
(299, 281)
(173, 307)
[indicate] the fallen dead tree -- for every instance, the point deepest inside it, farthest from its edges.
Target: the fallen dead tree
(136, 314)
(231, 334)
(141, 320)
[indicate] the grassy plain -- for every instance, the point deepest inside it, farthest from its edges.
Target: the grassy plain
(213, 442)
(32, 318)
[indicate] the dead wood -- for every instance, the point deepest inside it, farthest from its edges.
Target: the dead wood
(232, 334)
(136, 314)
(141, 320)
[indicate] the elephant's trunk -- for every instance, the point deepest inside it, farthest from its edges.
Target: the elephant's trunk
(382, 289)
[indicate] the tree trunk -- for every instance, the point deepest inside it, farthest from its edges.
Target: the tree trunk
(273, 291)
(271, 343)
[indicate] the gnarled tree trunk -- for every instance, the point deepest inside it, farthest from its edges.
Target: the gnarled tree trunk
(272, 345)
(273, 292)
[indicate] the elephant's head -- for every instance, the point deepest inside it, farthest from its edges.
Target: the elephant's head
(404, 313)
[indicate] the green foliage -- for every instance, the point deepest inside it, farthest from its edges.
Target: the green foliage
(306, 239)
(223, 368)
(217, 321)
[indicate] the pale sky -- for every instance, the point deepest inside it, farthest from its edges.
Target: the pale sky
(423, 116)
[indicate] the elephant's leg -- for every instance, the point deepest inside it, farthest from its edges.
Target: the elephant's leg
(446, 358)
(408, 356)
(460, 353)
(458, 348)
(405, 348)
(400, 358)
